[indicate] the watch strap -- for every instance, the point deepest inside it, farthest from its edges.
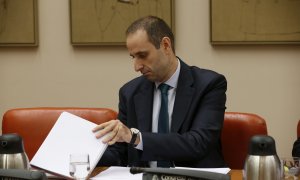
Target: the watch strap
(133, 138)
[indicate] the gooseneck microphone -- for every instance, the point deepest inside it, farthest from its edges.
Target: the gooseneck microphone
(187, 173)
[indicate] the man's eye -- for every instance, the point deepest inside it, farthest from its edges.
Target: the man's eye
(142, 56)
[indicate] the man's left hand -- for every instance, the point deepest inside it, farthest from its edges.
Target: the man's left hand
(114, 131)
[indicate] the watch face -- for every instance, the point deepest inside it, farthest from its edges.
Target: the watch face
(134, 131)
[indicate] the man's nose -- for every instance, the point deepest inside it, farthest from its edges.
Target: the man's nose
(137, 66)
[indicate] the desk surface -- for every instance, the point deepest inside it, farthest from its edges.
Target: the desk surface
(234, 173)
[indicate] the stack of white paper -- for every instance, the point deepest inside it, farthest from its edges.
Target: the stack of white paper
(70, 134)
(216, 170)
(118, 173)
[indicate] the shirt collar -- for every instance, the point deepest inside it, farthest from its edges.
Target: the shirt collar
(173, 81)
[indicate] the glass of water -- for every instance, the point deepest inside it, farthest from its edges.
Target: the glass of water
(291, 168)
(79, 166)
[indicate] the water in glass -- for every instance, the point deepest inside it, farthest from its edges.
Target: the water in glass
(79, 166)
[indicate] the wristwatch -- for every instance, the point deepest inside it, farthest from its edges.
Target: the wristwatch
(134, 133)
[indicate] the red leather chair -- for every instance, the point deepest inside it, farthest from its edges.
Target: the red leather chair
(298, 129)
(34, 124)
(237, 131)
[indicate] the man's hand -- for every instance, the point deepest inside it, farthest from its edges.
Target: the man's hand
(114, 131)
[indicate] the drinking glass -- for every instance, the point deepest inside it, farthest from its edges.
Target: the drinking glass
(291, 168)
(79, 166)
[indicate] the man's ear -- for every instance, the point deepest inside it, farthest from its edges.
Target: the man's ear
(166, 44)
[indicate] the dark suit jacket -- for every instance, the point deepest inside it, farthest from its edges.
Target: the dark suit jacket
(197, 120)
(296, 148)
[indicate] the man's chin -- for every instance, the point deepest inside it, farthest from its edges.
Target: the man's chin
(150, 78)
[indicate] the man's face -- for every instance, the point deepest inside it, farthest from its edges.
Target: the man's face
(148, 60)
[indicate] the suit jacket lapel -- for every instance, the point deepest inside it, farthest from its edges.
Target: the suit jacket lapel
(183, 99)
(143, 105)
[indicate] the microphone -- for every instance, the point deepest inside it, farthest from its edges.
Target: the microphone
(188, 173)
(136, 170)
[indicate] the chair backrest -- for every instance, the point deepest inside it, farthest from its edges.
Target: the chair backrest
(237, 131)
(34, 124)
(298, 129)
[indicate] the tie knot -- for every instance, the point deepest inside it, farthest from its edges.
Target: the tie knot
(164, 88)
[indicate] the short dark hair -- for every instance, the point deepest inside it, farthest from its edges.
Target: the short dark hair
(156, 29)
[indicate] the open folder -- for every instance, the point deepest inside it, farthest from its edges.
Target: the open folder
(70, 134)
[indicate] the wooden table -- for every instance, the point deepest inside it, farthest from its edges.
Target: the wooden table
(234, 173)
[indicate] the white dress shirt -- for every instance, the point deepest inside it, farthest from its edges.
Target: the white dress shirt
(172, 82)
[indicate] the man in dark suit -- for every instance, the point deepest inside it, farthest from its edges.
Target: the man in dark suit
(296, 148)
(195, 107)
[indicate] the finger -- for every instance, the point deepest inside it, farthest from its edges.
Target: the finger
(116, 138)
(104, 128)
(113, 131)
(104, 125)
(110, 126)
(109, 137)
(104, 132)
(100, 126)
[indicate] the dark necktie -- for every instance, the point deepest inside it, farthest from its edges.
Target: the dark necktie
(163, 119)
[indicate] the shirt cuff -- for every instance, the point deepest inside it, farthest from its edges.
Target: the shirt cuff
(139, 146)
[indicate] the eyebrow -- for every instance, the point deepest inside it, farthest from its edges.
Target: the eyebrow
(139, 53)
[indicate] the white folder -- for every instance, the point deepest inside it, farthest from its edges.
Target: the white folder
(70, 134)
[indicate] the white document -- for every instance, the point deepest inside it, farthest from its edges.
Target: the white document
(118, 173)
(216, 170)
(70, 134)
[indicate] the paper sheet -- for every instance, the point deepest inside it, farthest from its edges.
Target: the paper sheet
(118, 173)
(216, 170)
(70, 134)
